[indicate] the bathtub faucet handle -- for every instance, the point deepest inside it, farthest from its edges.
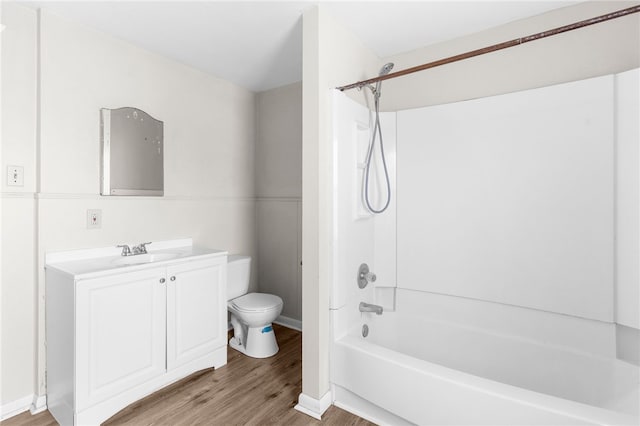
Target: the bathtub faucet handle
(365, 276)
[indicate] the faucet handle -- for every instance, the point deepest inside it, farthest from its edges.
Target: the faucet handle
(126, 251)
(141, 248)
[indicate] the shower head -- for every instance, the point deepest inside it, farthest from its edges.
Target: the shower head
(386, 69)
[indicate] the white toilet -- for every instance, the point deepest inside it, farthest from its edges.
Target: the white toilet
(251, 313)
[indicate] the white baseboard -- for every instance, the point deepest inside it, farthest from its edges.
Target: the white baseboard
(289, 322)
(39, 404)
(313, 407)
(16, 407)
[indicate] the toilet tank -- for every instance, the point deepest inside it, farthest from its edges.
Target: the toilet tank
(238, 273)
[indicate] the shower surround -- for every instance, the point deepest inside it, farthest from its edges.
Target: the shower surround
(495, 263)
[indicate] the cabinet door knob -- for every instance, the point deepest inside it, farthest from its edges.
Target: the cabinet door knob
(173, 278)
(162, 280)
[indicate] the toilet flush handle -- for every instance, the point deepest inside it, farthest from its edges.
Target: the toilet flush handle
(365, 276)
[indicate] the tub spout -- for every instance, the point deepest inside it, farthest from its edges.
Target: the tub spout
(368, 307)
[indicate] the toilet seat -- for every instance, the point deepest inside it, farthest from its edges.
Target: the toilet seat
(256, 302)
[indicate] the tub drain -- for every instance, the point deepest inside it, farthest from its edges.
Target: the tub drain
(365, 330)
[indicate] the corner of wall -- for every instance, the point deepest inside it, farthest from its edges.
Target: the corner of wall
(331, 57)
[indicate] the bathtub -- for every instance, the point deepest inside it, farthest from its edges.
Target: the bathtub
(424, 371)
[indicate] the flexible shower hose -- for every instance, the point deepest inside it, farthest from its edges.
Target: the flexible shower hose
(376, 130)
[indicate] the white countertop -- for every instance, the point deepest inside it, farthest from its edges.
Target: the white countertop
(91, 263)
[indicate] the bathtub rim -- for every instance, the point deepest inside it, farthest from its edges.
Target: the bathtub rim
(544, 402)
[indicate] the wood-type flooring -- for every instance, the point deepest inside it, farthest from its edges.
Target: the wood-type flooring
(247, 391)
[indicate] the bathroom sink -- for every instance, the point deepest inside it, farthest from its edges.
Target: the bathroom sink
(145, 258)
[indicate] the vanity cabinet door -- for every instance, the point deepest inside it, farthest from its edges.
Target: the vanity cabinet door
(196, 310)
(120, 334)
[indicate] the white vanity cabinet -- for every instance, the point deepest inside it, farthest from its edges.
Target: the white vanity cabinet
(193, 328)
(117, 335)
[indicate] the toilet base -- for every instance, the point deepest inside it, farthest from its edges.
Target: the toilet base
(260, 342)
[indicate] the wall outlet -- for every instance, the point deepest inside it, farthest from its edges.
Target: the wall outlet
(94, 219)
(15, 176)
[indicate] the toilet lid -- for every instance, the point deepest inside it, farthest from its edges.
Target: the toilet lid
(256, 302)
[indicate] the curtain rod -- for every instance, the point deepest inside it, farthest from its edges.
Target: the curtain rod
(511, 43)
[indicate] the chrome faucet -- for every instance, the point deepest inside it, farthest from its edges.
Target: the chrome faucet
(368, 307)
(139, 249)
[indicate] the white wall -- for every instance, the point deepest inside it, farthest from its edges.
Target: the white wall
(279, 142)
(1, 307)
(209, 123)
(354, 229)
(18, 142)
(18, 299)
(385, 241)
(359, 236)
(279, 191)
(510, 199)
(19, 94)
(209, 162)
(331, 57)
(627, 211)
(627, 219)
(601, 49)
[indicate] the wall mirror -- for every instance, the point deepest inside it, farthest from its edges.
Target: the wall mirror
(132, 150)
